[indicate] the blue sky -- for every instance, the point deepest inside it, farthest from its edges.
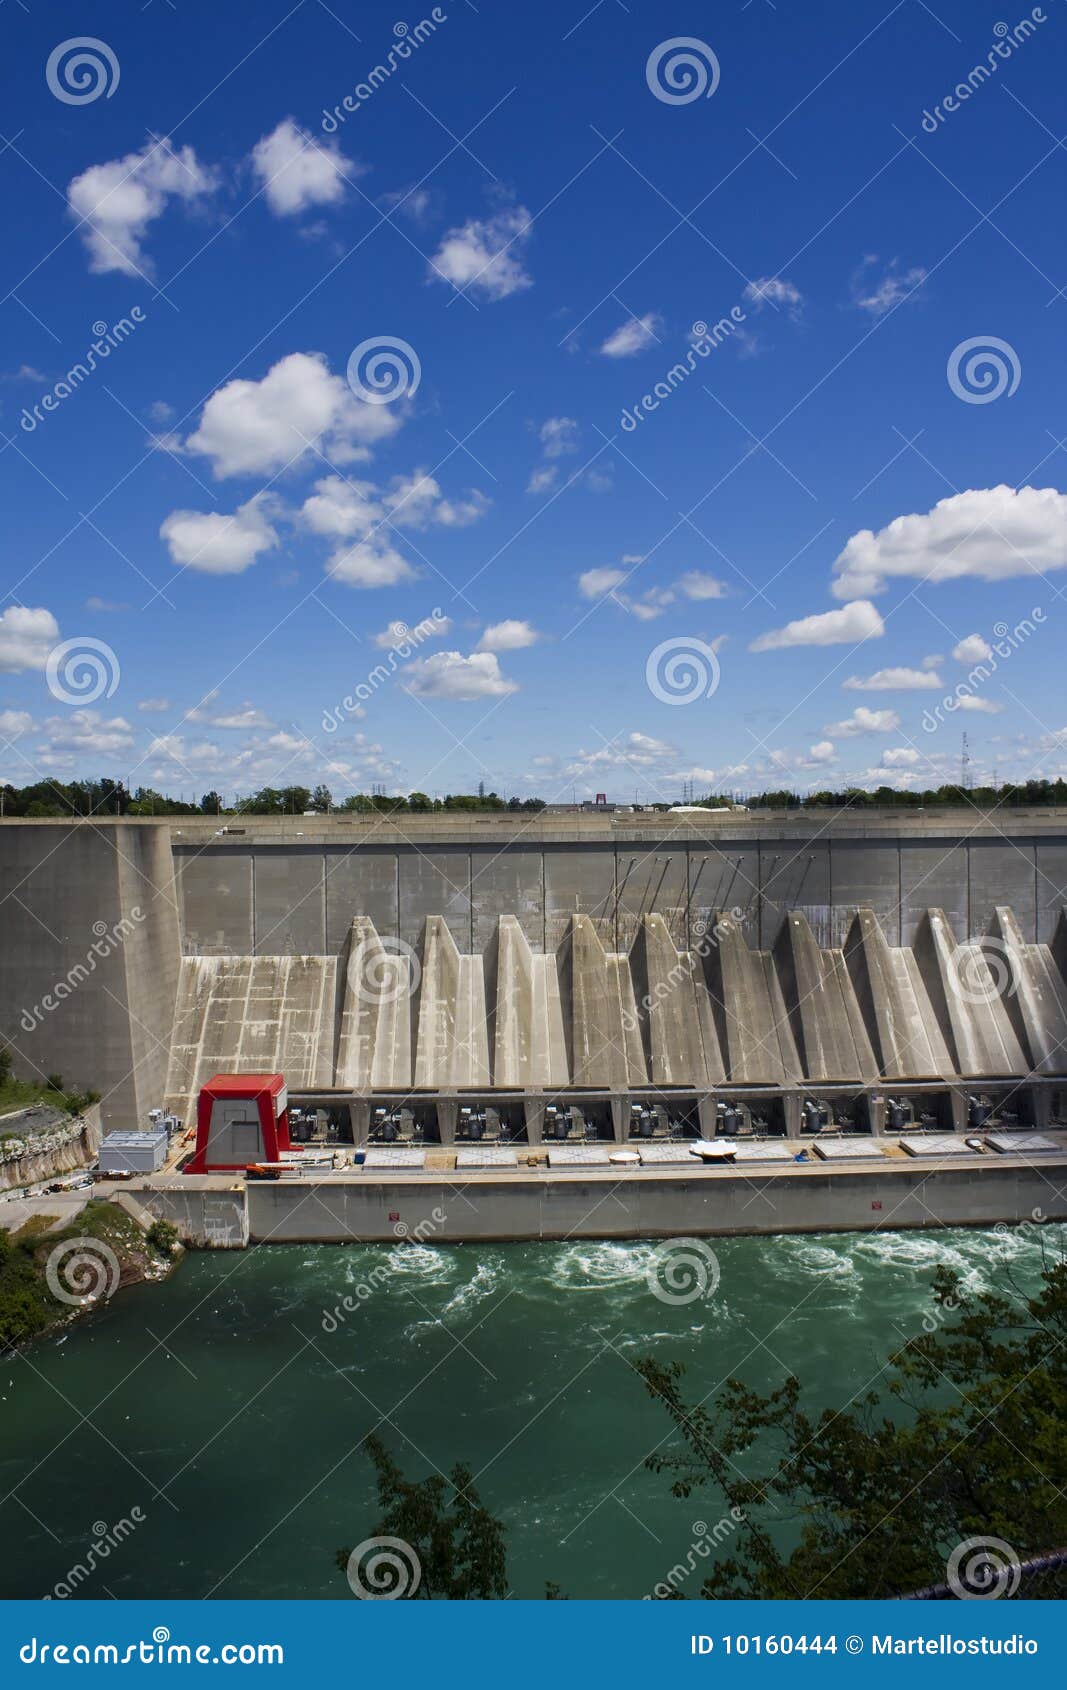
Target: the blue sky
(237, 526)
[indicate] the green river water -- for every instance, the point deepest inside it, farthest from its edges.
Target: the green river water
(220, 1406)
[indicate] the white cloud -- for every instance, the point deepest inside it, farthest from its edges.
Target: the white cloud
(694, 584)
(296, 170)
(14, 723)
(824, 752)
(374, 562)
(247, 717)
(154, 705)
(991, 533)
(632, 337)
(26, 638)
(775, 289)
(558, 435)
(864, 721)
(257, 427)
(216, 544)
(972, 649)
(88, 730)
(116, 202)
(430, 628)
(878, 294)
(971, 701)
(510, 635)
(858, 621)
(594, 583)
(543, 478)
(448, 674)
(487, 254)
(416, 501)
(900, 679)
(900, 757)
(360, 511)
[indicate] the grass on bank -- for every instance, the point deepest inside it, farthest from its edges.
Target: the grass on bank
(27, 1307)
(24, 1094)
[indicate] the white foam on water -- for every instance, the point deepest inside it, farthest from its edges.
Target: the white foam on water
(592, 1266)
(422, 1262)
(484, 1284)
(923, 1252)
(801, 1255)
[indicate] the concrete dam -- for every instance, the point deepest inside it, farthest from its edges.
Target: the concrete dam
(670, 961)
(562, 1026)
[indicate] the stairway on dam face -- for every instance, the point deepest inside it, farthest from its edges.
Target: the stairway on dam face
(383, 1016)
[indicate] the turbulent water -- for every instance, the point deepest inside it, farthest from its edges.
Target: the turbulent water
(226, 1406)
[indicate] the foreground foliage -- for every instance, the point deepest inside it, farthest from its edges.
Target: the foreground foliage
(875, 1496)
(459, 1545)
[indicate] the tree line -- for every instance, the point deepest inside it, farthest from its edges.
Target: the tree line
(107, 797)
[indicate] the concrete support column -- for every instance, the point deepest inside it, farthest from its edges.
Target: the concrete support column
(959, 1109)
(359, 1115)
(706, 1114)
(620, 1118)
(1042, 1106)
(447, 1116)
(791, 1106)
(533, 1109)
(876, 1105)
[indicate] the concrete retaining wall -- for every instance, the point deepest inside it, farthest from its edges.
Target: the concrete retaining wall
(717, 1203)
(208, 1219)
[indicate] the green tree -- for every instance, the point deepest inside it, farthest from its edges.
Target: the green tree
(970, 1444)
(459, 1545)
(321, 800)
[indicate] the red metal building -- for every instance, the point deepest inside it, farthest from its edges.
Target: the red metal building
(240, 1119)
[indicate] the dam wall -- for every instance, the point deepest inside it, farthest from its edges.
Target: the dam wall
(271, 888)
(614, 951)
(89, 956)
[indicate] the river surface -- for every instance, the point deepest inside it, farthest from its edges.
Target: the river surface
(227, 1404)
